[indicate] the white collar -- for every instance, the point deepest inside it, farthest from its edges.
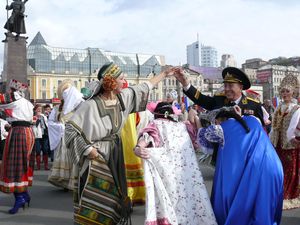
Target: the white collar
(238, 100)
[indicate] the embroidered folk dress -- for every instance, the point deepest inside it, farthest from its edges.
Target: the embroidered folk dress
(284, 123)
(100, 194)
(16, 174)
(176, 193)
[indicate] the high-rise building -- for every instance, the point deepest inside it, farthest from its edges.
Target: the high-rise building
(228, 60)
(209, 56)
(201, 55)
(193, 54)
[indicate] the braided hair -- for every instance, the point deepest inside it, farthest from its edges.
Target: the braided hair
(164, 110)
(231, 114)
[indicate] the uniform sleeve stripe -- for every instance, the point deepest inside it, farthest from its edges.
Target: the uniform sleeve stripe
(197, 95)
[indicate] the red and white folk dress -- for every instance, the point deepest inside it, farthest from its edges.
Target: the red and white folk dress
(16, 174)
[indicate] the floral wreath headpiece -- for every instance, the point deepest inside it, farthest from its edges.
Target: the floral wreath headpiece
(290, 82)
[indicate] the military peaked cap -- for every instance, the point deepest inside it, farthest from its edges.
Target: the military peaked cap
(235, 75)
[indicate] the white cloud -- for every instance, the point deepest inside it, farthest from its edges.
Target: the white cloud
(245, 28)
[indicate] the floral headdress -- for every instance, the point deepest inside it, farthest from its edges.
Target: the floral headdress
(107, 76)
(17, 85)
(290, 82)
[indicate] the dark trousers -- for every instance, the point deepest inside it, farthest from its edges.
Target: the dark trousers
(40, 146)
(2, 145)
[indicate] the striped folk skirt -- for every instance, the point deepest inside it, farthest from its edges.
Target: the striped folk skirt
(16, 173)
(97, 199)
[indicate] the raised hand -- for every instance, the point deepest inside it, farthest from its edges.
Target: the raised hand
(182, 76)
(169, 71)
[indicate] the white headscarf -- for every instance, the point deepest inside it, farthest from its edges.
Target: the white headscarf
(72, 98)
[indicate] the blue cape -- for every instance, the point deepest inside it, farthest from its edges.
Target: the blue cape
(248, 181)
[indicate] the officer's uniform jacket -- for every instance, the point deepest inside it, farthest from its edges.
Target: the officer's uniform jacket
(248, 105)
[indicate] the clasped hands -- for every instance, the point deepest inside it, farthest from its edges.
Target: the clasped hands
(179, 73)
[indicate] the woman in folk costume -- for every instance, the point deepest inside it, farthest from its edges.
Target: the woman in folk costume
(284, 124)
(93, 137)
(62, 173)
(248, 180)
(133, 164)
(16, 175)
(176, 193)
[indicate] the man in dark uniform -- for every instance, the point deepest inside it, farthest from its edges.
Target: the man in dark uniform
(235, 81)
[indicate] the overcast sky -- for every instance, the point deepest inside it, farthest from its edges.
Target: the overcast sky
(244, 28)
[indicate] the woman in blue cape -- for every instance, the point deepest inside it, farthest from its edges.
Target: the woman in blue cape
(248, 181)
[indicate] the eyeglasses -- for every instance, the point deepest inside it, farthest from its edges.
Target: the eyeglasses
(285, 91)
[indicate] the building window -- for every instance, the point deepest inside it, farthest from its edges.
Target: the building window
(43, 82)
(75, 83)
(86, 84)
(59, 82)
(44, 95)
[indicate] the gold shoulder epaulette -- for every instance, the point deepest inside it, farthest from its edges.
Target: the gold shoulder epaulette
(254, 100)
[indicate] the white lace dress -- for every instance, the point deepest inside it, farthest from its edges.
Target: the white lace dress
(176, 193)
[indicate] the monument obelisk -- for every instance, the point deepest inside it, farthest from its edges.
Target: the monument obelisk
(15, 51)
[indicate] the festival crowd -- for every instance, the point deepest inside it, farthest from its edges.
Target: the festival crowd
(114, 149)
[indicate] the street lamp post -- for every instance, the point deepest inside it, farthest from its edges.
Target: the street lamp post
(90, 64)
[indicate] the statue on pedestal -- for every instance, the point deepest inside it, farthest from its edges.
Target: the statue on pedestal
(15, 23)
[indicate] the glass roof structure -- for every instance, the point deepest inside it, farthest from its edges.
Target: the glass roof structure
(46, 59)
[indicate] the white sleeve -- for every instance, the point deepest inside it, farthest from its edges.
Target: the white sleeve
(293, 124)
(46, 120)
(55, 130)
(265, 113)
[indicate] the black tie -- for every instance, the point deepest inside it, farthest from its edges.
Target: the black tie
(231, 104)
